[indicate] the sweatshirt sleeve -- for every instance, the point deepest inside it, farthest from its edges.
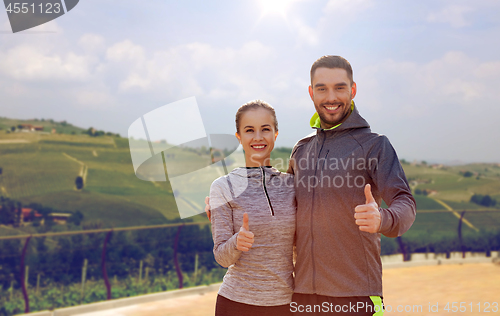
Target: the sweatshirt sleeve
(391, 185)
(224, 237)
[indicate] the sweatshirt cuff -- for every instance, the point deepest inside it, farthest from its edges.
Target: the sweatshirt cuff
(386, 221)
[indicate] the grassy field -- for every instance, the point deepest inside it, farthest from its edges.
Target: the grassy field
(43, 168)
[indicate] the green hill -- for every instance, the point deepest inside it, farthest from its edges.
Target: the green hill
(42, 168)
(63, 127)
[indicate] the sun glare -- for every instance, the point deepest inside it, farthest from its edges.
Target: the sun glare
(274, 7)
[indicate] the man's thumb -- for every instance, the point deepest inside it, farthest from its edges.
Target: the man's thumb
(245, 222)
(368, 194)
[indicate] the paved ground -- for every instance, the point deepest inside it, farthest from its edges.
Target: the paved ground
(414, 289)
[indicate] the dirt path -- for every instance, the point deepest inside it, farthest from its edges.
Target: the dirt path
(414, 288)
(83, 167)
(419, 286)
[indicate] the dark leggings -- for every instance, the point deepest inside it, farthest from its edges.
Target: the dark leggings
(227, 307)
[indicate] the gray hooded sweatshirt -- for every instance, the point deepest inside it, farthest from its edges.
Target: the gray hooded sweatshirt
(263, 275)
(331, 168)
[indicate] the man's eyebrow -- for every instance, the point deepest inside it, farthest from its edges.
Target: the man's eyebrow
(340, 84)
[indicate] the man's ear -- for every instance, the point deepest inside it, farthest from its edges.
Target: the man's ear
(311, 92)
(354, 89)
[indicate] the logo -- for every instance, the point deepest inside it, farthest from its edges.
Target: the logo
(25, 14)
(170, 142)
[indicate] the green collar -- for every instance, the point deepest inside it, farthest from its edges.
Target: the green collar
(315, 121)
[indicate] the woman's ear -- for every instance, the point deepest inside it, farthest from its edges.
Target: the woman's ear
(276, 135)
(238, 136)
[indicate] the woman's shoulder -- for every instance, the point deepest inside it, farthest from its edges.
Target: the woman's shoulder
(233, 178)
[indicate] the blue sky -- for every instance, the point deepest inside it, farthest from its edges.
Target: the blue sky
(428, 72)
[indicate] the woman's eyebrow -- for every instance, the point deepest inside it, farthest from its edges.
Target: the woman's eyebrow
(248, 126)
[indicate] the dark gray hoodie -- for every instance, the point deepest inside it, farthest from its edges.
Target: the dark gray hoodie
(331, 168)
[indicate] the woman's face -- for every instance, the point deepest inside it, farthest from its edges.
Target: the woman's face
(257, 135)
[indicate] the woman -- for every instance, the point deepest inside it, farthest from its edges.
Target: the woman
(253, 222)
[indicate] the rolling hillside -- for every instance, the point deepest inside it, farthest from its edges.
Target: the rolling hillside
(42, 168)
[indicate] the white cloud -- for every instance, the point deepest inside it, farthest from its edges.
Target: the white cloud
(452, 14)
(455, 78)
(92, 43)
(94, 98)
(191, 69)
(446, 108)
(29, 63)
(126, 51)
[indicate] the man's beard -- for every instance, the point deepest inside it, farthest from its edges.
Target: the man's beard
(325, 117)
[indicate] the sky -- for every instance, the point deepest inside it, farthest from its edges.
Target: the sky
(427, 72)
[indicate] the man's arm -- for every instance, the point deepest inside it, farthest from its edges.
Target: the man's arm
(391, 184)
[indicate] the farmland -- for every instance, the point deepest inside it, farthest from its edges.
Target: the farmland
(43, 168)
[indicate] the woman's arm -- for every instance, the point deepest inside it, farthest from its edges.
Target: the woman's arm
(225, 239)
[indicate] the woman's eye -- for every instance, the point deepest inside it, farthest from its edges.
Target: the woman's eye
(266, 129)
(249, 130)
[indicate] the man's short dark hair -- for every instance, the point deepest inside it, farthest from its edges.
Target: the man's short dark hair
(331, 61)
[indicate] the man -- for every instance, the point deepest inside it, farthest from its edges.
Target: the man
(342, 172)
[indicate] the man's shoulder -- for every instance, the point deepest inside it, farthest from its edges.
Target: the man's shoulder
(303, 141)
(365, 137)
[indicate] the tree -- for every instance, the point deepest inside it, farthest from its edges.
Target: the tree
(76, 218)
(468, 174)
(7, 212)
(484, 200)
(79, 183)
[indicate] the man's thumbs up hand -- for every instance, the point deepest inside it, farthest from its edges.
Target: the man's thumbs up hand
(244, 240)
(367, 215)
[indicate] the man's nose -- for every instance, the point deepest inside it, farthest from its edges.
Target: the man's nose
(331, 96)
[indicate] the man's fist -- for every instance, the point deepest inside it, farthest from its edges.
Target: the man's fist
(367, 215)
(244, 240)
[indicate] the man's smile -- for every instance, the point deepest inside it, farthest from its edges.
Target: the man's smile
(331, 108)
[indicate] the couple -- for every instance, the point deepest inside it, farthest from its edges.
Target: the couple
(327, 205)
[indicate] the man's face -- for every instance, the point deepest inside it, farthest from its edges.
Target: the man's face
(331, 92)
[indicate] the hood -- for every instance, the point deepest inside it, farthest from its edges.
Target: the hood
(255, 172)
(354, 120)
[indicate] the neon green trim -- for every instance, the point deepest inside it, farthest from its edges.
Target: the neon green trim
(378, 308)
(316, 121)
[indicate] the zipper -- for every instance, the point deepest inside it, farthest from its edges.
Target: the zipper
(265, 191)
(312, 206)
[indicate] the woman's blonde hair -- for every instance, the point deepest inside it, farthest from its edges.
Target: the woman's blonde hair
(255, 104)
